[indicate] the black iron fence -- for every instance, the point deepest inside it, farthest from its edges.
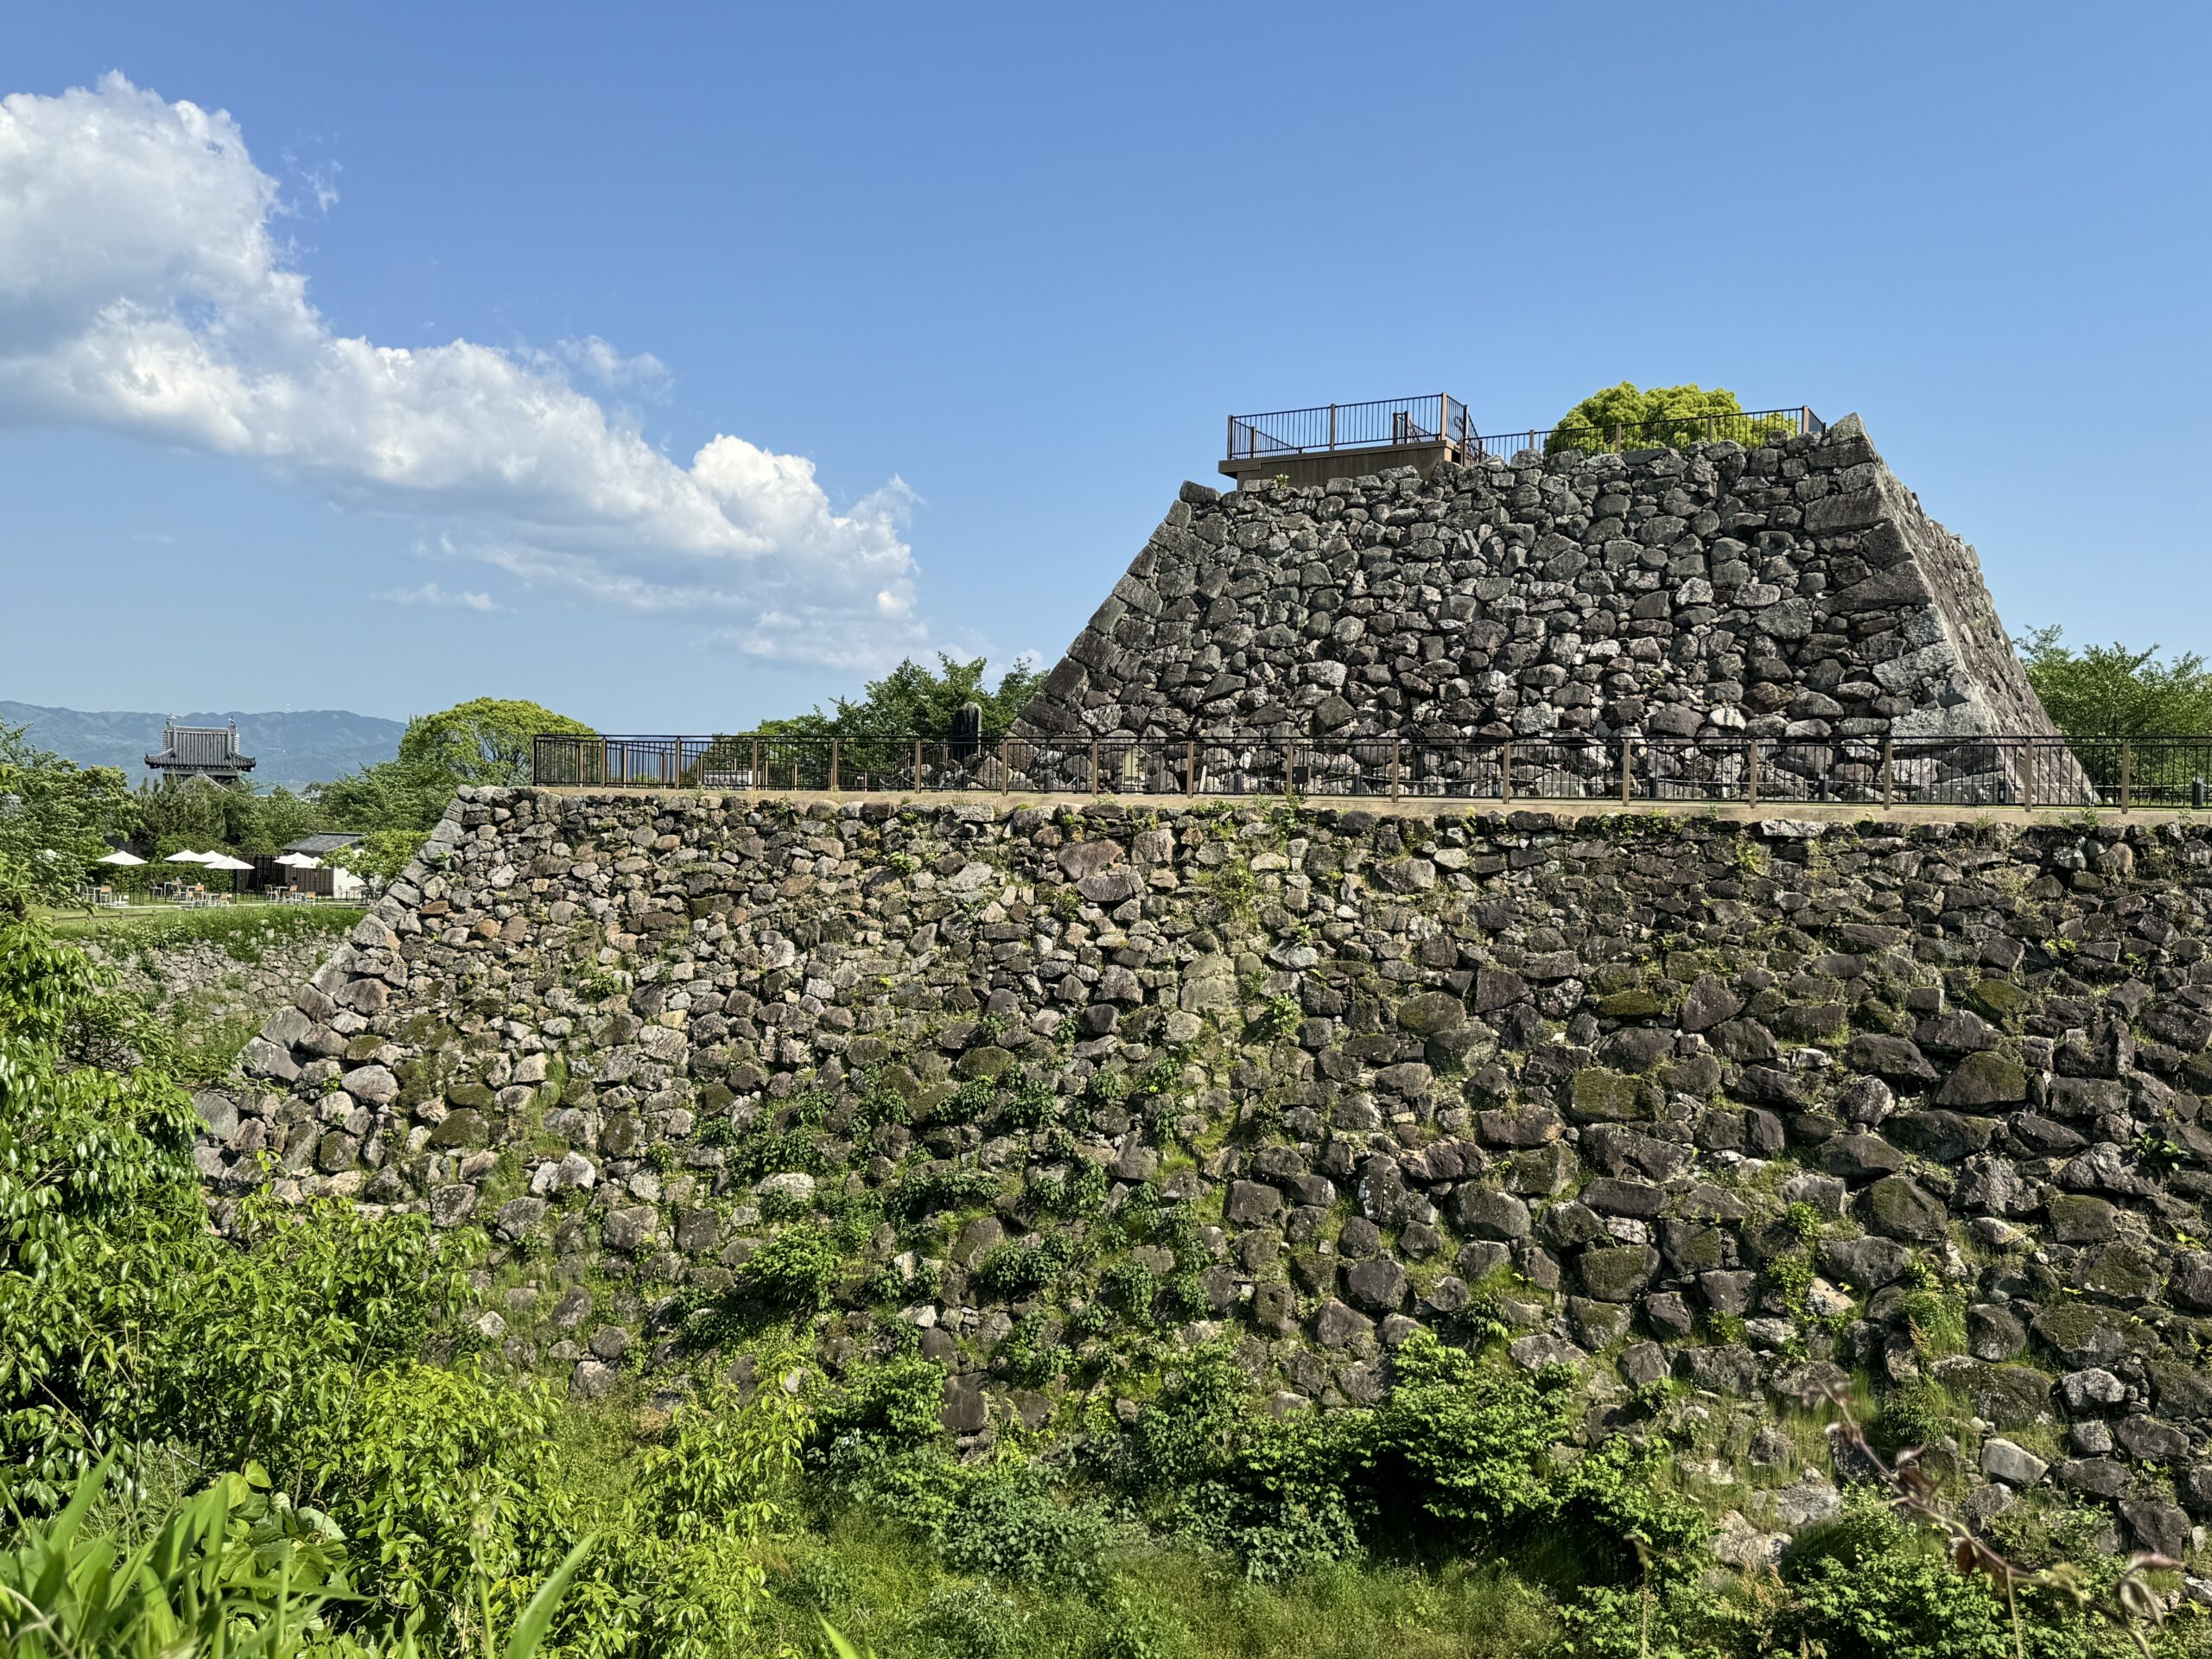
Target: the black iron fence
(2029, 773)
(1289, 433)
(1381, 424)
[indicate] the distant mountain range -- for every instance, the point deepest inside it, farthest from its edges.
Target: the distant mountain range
(295, 748)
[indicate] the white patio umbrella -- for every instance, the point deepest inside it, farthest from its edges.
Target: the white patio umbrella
(301, 862)
(118, 856)
(224, 861)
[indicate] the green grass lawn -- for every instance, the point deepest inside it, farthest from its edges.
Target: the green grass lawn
(244, 931)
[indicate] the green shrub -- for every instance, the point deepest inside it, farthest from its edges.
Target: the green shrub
(1913, 1414)
(1031, 1106)
(950, 1188)
(1013, 1270)
(1467, 1443)
(1081, 1191)
(1293, 1498)
(1009, 1522)
(1131, 1287)
(1869, 1587)
(972, 1621)
(794, 1271)
(1029, 1358)
(899, 1402)
(1657, 416)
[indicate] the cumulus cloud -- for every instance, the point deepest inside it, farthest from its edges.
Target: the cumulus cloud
(597, 360)
(439, 598)
(144, 289)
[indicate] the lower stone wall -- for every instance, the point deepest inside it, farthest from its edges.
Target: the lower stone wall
(222, 982)
(1735, 1109)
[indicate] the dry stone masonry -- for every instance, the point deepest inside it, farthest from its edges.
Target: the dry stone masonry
(1794, 590)
(1733, 1108)
(209, 979)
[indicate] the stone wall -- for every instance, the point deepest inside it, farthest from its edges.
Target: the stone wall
(1742, 1107)
(1796, 590)
(218, 982)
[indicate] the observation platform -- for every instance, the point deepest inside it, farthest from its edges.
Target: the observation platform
(1311, 446)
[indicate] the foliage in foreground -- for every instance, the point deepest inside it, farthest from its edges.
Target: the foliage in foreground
(281, 1443)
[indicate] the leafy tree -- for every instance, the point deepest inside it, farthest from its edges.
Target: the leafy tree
(177, 813)
(1654, 416)
(912, 701)
(401, 795)
(485, 741)
(99, 1204)
(52, 806)
(2110, 691)
(395, 803)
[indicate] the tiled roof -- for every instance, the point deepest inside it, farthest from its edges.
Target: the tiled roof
(200, 748)
(327, 841)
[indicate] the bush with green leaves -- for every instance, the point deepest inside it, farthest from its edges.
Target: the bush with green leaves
(1008, 1521)
(1461, 1449)
(1627, 417)
(915, 701)
(1013, 1270)
(793, 1271)
(898, 1401)
(1870, 1585)
(101, 1235)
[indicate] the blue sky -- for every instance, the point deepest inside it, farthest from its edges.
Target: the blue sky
(484, 341)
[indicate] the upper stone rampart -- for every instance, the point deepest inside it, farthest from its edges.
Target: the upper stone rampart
(1794, 590)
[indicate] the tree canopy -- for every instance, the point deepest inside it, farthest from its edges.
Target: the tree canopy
(912, 701)
(395, 803)
(49, 806)
(1653, 415)
(2112, 692)
(483, 741)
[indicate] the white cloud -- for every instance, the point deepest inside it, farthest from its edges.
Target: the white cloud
(431, 594)
(144, 290)
(598, 361)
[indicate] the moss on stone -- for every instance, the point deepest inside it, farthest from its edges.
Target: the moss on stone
(1997, 998)
(1636, 1004)
(1605, 1095)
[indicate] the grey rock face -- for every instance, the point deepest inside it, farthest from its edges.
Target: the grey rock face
(1600, 1090)
(1794, 590)
(591, 1380)
(2002, 1460)
(966, 1408)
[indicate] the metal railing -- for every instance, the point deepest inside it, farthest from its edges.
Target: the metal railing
(1749, 428)
(1384, 423)
(1328, 428)
(2031, 773)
